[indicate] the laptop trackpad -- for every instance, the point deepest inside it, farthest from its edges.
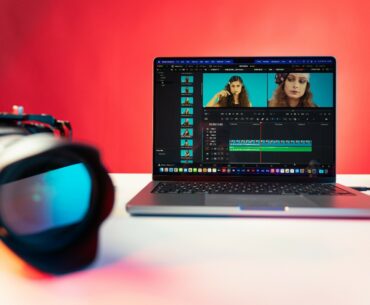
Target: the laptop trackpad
(269, 202)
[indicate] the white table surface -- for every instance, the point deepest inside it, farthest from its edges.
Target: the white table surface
(162, 260)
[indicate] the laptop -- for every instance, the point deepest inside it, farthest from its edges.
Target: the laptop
(246, 136)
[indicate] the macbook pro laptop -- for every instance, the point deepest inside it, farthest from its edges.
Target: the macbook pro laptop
(246, 136)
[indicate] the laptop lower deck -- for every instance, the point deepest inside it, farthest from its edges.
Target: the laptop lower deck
(343, 202)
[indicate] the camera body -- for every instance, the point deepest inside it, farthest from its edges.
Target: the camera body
(20, 123)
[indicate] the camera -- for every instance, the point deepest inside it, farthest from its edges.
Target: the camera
(54, 193)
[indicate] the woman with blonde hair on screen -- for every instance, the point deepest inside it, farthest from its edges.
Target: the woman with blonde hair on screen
(293, 91)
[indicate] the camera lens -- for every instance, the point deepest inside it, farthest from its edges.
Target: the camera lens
(44, 197)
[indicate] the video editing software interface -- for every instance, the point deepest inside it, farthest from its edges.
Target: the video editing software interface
(244, 116)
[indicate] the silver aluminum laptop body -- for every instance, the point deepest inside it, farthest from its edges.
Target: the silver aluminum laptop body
(200, 136)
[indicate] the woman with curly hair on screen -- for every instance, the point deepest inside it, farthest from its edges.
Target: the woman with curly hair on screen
(233, 95)
(293, 91)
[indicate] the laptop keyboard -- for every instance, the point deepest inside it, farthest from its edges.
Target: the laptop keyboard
(255, 188)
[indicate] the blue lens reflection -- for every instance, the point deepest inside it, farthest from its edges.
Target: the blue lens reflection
(50, 200)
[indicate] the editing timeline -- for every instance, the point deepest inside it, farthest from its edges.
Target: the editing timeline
(266, 136)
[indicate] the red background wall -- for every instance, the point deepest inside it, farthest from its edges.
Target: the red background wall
(91, 61)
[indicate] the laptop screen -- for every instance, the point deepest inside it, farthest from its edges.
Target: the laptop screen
(267, 116)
